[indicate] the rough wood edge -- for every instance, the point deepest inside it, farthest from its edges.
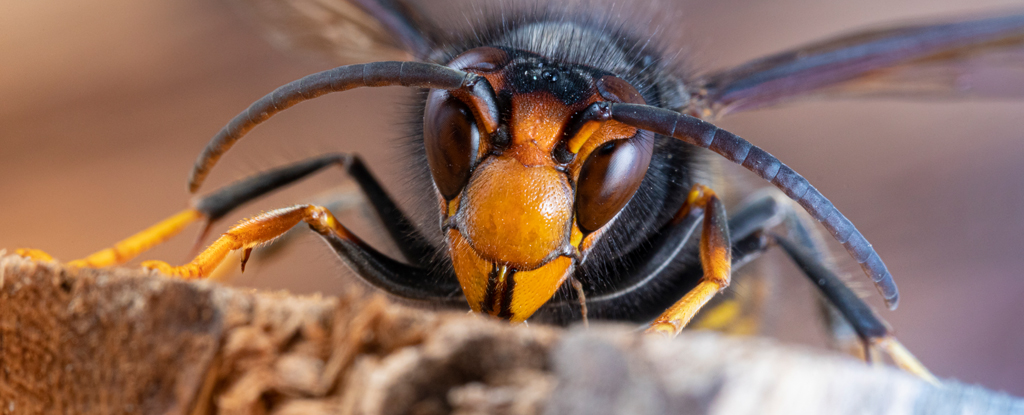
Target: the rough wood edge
(126, 341)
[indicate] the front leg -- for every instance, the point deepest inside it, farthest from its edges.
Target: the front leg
(211, 208)
(854, 315)
(406, 281)
(715, 258)
(208, 209)
(247, 235)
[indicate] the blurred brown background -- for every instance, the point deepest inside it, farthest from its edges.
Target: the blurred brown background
(105, 104)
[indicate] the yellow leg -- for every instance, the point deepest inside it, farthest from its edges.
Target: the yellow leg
(715, 256)
(739, 315)
(210, 209)
(250, 234)
(34, 254)
(131, 246)
(672, 321)
(141, 242)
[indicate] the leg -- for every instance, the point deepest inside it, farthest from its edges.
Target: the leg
(341, 199)
(769, 209)
(218, 204)
(715, 258)
(855, 314)
(654, 268)
(656, 275)
(412, 244)
(209, 208)
(131, 246)
(869, 327)
(743, 309)
(406, 281)
(665, 267)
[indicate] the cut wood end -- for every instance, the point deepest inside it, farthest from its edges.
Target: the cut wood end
(123, 341)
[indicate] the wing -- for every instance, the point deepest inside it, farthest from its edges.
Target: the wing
(348, 31)
(961, 58)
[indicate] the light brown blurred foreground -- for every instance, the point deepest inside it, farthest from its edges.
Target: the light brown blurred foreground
(120, 341)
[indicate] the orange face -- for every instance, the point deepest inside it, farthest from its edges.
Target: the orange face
(511, 199)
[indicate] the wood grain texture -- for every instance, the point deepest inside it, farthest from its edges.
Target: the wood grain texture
(123, 341)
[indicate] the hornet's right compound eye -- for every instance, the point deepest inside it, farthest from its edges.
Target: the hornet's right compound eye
(451, 138)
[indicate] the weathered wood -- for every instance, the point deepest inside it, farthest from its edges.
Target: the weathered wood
(123, 341)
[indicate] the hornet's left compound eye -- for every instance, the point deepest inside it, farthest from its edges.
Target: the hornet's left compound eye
(609, 178)
(612, 173)
(452, 139)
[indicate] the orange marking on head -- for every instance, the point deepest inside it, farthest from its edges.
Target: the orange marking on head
(538, 119)
(530, 155)
(496, 79)
(514, 214)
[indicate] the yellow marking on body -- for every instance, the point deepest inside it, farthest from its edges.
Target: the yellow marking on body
(728, 317)
(739, 315)
(720, 316)
(534, 288)
(584, 134)
(453, 207)
(576, 236)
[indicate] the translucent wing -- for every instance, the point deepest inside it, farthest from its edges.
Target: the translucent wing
(348, 31)
(967, 57)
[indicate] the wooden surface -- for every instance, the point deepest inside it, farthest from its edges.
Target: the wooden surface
(123, 341)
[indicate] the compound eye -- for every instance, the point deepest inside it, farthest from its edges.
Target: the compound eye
(609, 178)
(451, 138)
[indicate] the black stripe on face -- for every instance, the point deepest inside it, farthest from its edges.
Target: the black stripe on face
(499, 292)
(506, 300)
(492, 286)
